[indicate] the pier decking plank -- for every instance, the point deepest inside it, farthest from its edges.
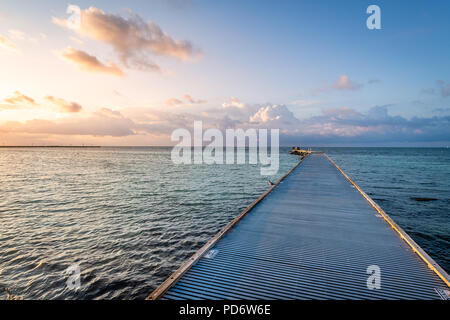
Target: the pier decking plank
(312, 237)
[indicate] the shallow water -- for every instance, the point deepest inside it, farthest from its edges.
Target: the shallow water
(129, 217)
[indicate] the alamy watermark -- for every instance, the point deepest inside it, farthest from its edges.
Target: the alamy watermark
(374, 20)
(233, 150)
(73, 281)
(74, 20)
(374, 280)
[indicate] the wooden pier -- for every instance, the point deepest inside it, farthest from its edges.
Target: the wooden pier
(313, 235)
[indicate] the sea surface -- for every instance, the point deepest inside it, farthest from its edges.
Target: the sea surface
(128, 217)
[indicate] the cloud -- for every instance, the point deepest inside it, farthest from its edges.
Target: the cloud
(233, 110)
(306, 103)
(192, 100)
(16, 34)
(234, 102)
(441, 110)
(132, 38)
(176, 4)
(90, 63)
(373, 81)
(337, 125)
(20, 101)
(5, 43)
(333, 126)
(344, 83)
(173, 101)
(19, 98)
(169, 73)
(63, 105)
(444, 88)
(75, 39)
(341, 113)
(104, 122)
(189, 98)
(428, 91)
(348, 125)
(273, 113)
(22, 36)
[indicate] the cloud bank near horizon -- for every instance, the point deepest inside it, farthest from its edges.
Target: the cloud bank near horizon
(333, 126)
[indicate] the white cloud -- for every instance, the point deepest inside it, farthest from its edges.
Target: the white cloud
(234, 102)
(273, 113)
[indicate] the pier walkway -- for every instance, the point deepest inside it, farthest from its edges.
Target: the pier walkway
(313, 235)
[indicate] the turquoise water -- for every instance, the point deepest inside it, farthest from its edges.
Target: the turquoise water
(394, 177)
(129, 217)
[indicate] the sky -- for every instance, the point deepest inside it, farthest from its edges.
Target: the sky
(131, 72)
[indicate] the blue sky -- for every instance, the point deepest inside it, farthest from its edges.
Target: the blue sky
(311, 68)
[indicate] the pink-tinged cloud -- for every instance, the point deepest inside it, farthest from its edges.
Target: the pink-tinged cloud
(7, 44)
(344, 83)
(105, 122)
(87, 62)
(192, 100)
(337, 125)
(173, 102)
(63, 105)
(132, 38)
(19, 98)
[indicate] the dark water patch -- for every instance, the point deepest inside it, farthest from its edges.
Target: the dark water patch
(423, 199)
(379, 199)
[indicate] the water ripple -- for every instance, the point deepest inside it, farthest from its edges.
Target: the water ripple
(129, 217)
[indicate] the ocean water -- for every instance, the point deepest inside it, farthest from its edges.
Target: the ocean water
(129, 217)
